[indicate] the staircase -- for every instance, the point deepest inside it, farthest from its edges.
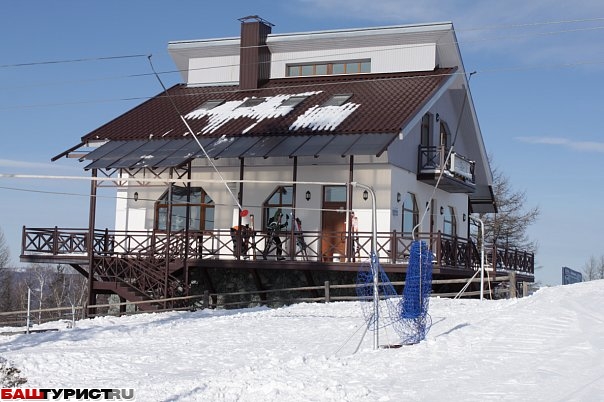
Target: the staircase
(137, 279)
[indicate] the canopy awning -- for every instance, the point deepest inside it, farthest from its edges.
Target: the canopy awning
(163, 153)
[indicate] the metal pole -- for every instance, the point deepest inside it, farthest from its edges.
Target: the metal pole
(481, 256)
(28, 310)
(374, 264)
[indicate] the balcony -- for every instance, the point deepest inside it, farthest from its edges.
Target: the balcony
(456, 175)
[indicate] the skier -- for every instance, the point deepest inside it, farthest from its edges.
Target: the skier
(274, 228)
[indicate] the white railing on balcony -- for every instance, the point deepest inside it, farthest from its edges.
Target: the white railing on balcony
(462, 166)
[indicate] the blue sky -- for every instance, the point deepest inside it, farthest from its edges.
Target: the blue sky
(537, 93)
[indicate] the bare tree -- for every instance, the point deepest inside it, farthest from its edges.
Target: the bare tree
(38, 279)
(6, 277)
(508, 226)
(67, 288)
(4, 251)
(594, 269)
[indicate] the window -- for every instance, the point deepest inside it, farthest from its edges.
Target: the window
(334, 194)
(282, 198)
(307, 70)
(410, 215)
(320, 69)
(293, 71)
(339, 68)
(251, 102)
(293, 101)
(329, 68)
(337, 100)
(450, 225)
(211, 104)
(195, 205)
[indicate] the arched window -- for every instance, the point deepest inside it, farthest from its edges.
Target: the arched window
(410, 215)
(282, 198)
(194, 205)
(450, 227)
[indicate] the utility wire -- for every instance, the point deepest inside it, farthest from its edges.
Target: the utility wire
(314, 85)
(153, 200)
(352, 53)
(47, 62)
(186, 123)
(485, 28)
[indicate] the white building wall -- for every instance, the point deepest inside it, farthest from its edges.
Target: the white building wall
(405, 182)
(267, 174)
(214, 70)
(384, 59)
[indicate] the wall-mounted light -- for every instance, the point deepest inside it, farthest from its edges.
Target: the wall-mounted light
(437, 117)
(365, 195)
(398, 197)
(463, 217)
(136, 196)
(307, 195)
(442, 210)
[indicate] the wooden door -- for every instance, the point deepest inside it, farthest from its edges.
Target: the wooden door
(333, 223)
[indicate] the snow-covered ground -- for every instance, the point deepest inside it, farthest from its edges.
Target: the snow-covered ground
(546, 347)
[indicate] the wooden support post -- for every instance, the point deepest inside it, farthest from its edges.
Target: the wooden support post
(525, 286)
(327, 297)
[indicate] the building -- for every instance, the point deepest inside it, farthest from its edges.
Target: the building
(314, 124)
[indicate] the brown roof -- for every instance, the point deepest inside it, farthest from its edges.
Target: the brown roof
(383, 104)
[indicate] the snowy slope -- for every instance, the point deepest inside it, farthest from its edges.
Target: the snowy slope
(547, 347)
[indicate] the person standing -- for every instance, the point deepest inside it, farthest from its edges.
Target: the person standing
(241, 240)
(274, 229)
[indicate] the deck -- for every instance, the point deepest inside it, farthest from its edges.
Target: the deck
(154, 265)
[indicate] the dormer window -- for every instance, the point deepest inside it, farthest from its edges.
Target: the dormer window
(337, 100)
(329, 68)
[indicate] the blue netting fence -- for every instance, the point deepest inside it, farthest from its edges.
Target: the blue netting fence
(408, 314)
(415, 322)
(386, 292)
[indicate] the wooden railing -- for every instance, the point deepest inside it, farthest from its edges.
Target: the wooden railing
(499, 287)
(392, 247)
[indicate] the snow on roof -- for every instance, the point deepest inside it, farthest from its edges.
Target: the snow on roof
(271, 107)
(324, 117)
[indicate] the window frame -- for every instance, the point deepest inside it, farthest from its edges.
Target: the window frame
(363, 66)
(450, 222)
(204, 206)
(269, 208)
